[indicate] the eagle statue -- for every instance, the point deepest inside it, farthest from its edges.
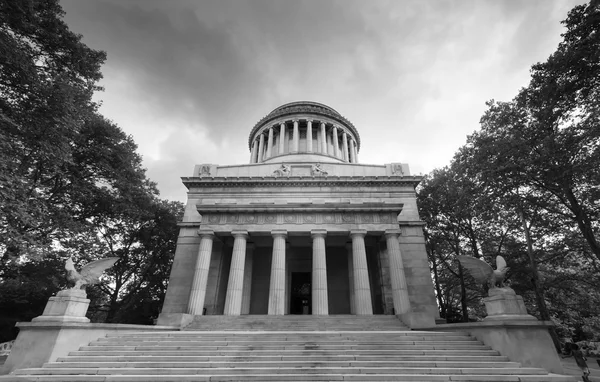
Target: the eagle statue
(90, 273)
(483, 272)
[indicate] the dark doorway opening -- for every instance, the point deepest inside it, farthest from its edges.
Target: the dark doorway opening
(300, 299)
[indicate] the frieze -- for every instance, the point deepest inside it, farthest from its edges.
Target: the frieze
(265, 218)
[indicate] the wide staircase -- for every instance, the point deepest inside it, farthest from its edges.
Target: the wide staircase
(288, 348)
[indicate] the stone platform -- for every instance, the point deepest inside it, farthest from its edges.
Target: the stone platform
(394, 353)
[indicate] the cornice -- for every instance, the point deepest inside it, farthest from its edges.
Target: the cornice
(301, 207)
(297, 181)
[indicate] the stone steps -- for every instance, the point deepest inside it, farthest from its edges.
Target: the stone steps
(278, 355)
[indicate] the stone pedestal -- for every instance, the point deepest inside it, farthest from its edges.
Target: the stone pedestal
(68, 305)
(505, 304)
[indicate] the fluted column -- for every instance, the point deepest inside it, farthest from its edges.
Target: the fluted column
(198, 292)
(270, 143)
(346, 156)
(247, 291)
(235, 285)
(254, 151)
(398, 278)
(261, 148)
(354, 152)
(351, 277)
(323, 139)
(281, 138)
(296, 137)
(320, 302)
(362, 289)
(334, 140)
(309, 136)
(277, 284)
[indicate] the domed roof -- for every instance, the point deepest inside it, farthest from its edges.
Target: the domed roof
(304, 107)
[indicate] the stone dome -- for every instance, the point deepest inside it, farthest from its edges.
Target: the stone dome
(304, 131)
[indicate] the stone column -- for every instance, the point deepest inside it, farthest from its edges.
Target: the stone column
(270, 143)
(345, 155)
(261, 148)
(198, 292)
(323, 139)
(354, 152)
(233, 298)
(351, 277)
(398, 279)
(296, 137)
(277, 284)
(281, 138)
(362, 289)
(334, 140)
(330, 144)
(254, 151)
(247, 292)
(309, 136)
(320, 302)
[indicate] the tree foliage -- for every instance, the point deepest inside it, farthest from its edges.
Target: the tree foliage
(71, 181)
(526, 186)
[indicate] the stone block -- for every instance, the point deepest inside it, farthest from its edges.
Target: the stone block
(417, 319)
(180, 320)
(505, 304)
(67, 306)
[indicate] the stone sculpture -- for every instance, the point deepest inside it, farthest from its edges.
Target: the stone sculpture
(316, 170)
(483, 272)
(283, 170)
(90, 273)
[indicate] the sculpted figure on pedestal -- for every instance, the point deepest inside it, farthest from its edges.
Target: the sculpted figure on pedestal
(483, 272)
(90, 273)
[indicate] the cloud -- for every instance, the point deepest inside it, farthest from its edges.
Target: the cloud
(189, 79)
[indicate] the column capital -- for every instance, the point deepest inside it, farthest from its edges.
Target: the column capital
(308, 120)
(295, 120)
(318, 233)
(282, 123)
(206, 233)
(358, 232)
(279, 232)
(238, 233)
(392, 233)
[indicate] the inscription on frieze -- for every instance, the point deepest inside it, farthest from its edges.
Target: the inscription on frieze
(229, 218)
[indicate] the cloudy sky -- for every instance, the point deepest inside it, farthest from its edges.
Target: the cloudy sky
(189, 79)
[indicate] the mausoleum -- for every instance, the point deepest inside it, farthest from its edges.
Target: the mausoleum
(303, 228)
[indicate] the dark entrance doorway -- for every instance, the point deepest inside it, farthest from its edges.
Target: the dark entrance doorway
(300, 299)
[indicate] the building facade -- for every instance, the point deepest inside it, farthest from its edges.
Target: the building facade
(303, 228)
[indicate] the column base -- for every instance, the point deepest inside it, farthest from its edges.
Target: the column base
(175, 319)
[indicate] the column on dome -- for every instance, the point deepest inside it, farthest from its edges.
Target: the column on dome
(398, 278)
(330, 143)
(320, 302)
(198, 292)
(247, 292)
(282, 138)
(323, 139)
(362, 290)
(235, 284)
(354, 151)
(309, 142)
(334, 140)
(351, 151)
(296, 136)
(254, 152)
(270, 143)
(261, 148)
(277, 283)
(346, 156)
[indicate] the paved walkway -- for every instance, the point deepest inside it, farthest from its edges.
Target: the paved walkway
(571, 368)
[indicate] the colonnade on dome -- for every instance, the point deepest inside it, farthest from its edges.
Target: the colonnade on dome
(298, 136)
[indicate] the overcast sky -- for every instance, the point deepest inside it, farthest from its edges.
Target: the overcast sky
(189, 79)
